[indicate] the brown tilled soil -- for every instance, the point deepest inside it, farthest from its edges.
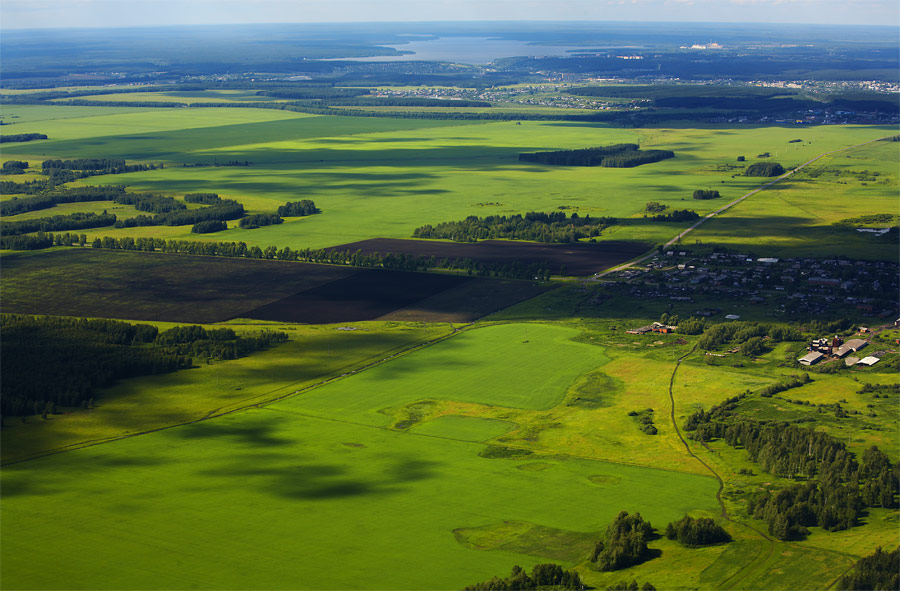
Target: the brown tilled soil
(580, 259)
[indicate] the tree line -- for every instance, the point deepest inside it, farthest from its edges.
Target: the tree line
(879, 571)
(90, 354)
(397, 262)
(706, 194)
(836, 487)
(543, 576)
(257, 220)
(615, 156)
(73, 221)
(227, 209)
(536, 226)
(17, 205)
(22, 137)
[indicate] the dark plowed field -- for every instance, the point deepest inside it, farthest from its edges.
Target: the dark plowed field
(579, 259)
(184, 288)
(366, 295)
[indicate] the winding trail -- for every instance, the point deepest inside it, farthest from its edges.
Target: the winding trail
(756, 566)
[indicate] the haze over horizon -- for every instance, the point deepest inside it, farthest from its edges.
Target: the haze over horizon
(55, 14)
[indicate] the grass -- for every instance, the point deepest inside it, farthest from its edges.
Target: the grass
(501, 365)
(796, 217)
(398, 174)
(132, 406)
(324, 503)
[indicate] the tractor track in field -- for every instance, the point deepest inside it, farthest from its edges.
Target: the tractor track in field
(244, 405)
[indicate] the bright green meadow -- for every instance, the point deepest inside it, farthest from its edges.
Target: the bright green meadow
(381, 177)
(268, 498)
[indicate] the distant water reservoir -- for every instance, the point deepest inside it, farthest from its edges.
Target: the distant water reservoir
(471, 50)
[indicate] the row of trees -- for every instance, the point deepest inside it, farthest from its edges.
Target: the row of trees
(22, 137)
(227, 209)
(204, 198)
(536, 226)
(543, 576)
(706, 194)
(89, 354)
(678, 215)
(397, 262)
(18, 205)
(73, 221)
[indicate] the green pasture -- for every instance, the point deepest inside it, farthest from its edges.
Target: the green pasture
(796, 216)
(521, 366)
(397, 174)
(313, 354)
(271, 498)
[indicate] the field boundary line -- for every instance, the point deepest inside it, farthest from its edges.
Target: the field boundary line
(731, 204)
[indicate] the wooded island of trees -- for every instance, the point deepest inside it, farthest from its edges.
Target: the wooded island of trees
(615, 156)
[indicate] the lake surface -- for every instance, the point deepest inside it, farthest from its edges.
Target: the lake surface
(470, 50)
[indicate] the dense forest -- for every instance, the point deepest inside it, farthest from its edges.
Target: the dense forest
(90, 354)
(615, 156)
(536, 226)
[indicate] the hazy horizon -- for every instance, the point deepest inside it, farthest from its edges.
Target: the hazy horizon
(69, 14)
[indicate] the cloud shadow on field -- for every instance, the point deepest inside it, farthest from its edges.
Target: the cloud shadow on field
(250, 431)
(282, 475)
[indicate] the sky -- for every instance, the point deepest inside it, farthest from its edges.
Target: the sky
(27, 14)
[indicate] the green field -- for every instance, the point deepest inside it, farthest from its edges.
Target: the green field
(331, 502)
(405, 453)
(397, 174)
